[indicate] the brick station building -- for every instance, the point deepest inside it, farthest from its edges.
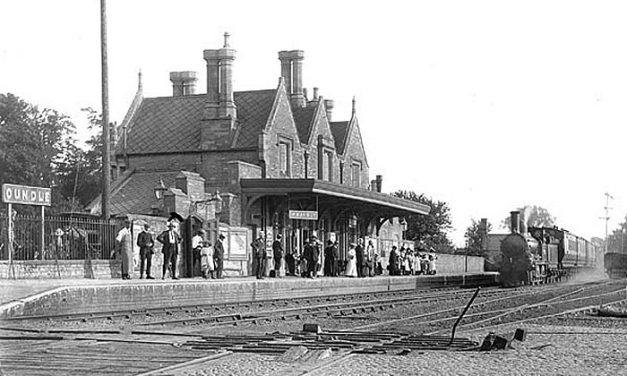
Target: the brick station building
(271, 160)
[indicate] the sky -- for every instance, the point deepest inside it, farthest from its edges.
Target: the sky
(486, 105)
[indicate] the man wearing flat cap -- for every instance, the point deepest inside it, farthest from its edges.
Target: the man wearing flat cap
(171, 241)
(218, 256)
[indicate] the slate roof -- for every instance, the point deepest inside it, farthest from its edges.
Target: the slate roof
(133, 191)
(253, 110)
(172, 124)
(339, 129)
(303, 117)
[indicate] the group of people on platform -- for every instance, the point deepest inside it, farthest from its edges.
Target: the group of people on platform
(360, 261)
(406, 261)
(210, 258)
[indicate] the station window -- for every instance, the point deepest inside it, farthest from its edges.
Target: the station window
(328, 166)
(356, 174)
(284, 157)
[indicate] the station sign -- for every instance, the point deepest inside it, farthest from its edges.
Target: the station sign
(306, 215)
(21, 194)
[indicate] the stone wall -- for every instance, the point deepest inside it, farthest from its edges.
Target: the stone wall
(50, 269)
(459, 264)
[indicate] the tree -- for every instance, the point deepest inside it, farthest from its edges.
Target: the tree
(81, 169)
(32, 142)
(617, 240)
(474, 237)
(532, 216)
(38, 148)
(430, 229)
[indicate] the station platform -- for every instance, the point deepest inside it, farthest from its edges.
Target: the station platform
(70, 296)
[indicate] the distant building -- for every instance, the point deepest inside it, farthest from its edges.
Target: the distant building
(271, 160)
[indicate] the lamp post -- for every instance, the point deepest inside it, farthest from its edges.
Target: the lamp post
(217, 199)
(403, 228)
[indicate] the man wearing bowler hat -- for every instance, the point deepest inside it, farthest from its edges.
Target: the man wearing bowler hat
(170, 240)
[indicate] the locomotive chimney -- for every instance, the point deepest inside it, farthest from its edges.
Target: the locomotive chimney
(515, 222)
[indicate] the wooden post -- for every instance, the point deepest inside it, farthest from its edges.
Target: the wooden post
(43, 232)
(10, 239)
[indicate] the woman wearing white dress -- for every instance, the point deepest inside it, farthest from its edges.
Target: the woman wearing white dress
(351, 266)
(206, 260)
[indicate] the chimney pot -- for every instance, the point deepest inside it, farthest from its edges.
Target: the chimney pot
(315, 94)
(183, 83)
(379, 180)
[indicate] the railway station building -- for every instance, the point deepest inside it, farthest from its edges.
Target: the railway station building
(241, 162)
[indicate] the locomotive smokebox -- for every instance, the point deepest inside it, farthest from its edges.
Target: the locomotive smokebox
(515, 222)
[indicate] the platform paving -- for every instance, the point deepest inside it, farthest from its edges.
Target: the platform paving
(59, 296)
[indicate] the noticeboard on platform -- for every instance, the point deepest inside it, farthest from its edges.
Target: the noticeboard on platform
(307, 215)
(21, 194)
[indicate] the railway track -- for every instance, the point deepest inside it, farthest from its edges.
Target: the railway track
(203, 309)
(407, 323)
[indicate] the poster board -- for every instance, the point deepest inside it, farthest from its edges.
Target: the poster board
(237, 243)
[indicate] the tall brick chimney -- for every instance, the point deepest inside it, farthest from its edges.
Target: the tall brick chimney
(329, 104)
(292, 73)
(220, 103)
(183, 83)
(220, 112)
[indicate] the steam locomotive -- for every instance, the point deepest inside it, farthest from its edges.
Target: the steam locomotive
(542, 254)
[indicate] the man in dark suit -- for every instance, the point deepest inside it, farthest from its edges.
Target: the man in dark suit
(259, 253)
(359, 255)
(146, 245)
(311, 254)
(218, 256)
(277, 253)
(335, 271)
(171, 241)
(328, 259)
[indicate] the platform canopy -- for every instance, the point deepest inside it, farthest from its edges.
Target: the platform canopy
(339, 195)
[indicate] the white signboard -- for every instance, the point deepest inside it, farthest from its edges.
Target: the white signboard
(306, 215)
(21, 194)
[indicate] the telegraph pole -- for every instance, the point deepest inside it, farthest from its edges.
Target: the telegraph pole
(106, 143)
(607, 215)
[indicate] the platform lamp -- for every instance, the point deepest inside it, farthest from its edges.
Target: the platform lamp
(403, 228)
(159, 191)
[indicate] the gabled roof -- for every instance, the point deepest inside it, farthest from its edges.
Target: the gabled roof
(173, 124)
(253, 110)
(303, 117)
(133, 192)
(339, 130)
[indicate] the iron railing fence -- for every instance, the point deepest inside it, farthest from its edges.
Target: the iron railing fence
(64, 238)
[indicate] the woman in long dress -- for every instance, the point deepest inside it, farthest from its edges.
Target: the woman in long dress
(351, 266)
(206, 260)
